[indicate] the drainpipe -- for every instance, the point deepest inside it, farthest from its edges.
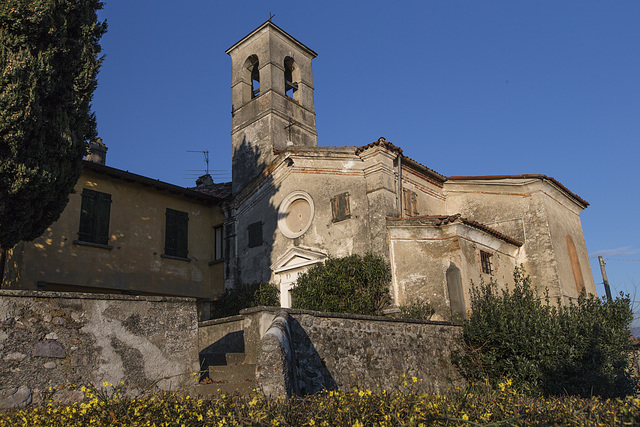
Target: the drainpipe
(399, 159)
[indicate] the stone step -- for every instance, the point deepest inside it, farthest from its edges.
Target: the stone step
(233, 373)
(214, 359)
(245, 388)
(235, 358)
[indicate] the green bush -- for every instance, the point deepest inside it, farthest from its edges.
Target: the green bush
(353, 284)
(419, 309)
(244, 296)
(582, 348)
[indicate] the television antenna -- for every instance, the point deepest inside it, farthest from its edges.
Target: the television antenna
(206, 157)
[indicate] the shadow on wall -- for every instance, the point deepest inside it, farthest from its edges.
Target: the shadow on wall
(312, 373)
(214, 354)
(256, 216)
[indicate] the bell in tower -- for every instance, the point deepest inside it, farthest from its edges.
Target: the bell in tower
(272, 87)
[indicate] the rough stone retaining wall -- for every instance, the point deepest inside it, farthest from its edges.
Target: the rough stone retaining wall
(341, 350)
(51, 339)
(331, 350)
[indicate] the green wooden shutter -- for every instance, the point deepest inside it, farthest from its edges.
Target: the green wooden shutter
(87, 229)
(182, 234)
(102, 215)
(170, 247)
(176, 241)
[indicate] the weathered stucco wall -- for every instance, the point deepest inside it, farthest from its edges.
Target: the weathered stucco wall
(532, 210)
(137, 237)
(424, 254)
(51, 339)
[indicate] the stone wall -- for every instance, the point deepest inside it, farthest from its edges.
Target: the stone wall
(337, 351)
(53, 339)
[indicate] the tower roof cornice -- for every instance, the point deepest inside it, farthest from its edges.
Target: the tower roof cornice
(271, 25)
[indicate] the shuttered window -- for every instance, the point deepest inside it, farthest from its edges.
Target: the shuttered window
(94, 217)
(176, 234)
(217, 237)
(410, 203)
(340, 209)
(255, 234)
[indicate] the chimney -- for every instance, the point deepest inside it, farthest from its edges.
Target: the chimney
(204, 180)
(97, 152)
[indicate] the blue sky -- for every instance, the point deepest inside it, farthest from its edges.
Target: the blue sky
(464, 87)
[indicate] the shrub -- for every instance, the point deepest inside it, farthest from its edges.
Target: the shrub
(419, 309)
(582, 348)
(353, 284)
(244, 296)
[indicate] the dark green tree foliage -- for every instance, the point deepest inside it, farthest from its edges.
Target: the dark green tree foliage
(579, 349)
(48, 66)
(244, 296)
(354, 284)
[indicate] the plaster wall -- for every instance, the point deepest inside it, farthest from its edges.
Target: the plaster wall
(564, 221)
(430, 200)
(517, 208)
(321, 179)
(422, 253)
(54, 339)
(136, 235)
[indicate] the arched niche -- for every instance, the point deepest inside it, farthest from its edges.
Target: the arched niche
(456, 294)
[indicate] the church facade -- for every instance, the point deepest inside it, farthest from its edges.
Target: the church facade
(296, 203)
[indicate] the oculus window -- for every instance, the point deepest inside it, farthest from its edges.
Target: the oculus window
(295, 214)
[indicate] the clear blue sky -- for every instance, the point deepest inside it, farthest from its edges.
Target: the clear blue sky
(464, 87)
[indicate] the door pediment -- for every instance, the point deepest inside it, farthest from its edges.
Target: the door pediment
(296, 258)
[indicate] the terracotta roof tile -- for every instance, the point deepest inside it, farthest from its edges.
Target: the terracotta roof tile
(221, 190)
(449, 219)
(381, 142)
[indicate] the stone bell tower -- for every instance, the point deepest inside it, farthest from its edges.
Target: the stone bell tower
(272, 86)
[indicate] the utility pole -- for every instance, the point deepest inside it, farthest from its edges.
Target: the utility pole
(604, 277)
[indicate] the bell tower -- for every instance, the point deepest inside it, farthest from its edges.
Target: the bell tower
(272, 89)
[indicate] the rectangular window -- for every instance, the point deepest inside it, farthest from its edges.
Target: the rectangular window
(485, 261)
(410, 203)
(255, 234)
(340, 209)
(94, 217)
(217, 243)
(176, 234)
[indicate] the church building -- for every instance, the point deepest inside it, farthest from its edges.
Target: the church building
(295, 203)
(292, 204)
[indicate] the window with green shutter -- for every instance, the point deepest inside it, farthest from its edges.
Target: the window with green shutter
(176, 234)
(94, 217)
(255, 234)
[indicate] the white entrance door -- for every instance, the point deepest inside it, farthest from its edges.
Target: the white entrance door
(287, 280)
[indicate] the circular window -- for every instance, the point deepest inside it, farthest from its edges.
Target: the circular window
(295, 214)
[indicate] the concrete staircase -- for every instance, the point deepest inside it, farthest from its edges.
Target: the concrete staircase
(233, 377)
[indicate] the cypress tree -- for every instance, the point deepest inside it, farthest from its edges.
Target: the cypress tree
(49, 61)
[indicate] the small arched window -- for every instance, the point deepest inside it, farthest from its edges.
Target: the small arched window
(253, 70)
(290, 80)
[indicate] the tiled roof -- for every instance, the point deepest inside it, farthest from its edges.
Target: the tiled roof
(221, 190)
(382, 142)
(538, 176)
(449, 219)
(150, 182)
